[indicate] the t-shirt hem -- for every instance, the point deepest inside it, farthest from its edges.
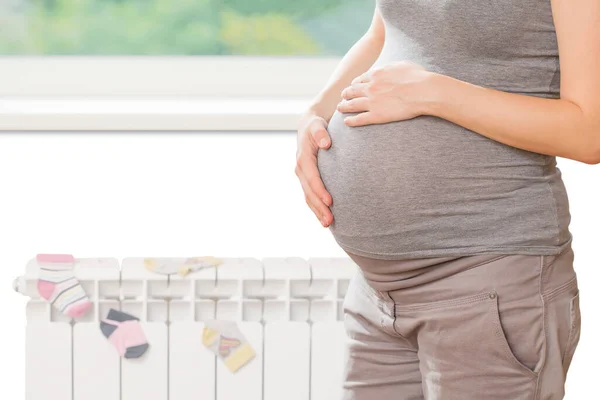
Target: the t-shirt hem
(457, 251)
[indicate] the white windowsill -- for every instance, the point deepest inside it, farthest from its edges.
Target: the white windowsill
(147, 113)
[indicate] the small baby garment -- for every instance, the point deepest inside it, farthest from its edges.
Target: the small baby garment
(225, 339)
(180, 266)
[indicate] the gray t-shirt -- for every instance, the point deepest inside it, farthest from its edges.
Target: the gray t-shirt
(426, 187)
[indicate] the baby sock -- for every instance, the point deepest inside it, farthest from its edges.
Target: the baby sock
(58, 285)
(194, 264)
(229, 344)
(125, 333)
(170, 266)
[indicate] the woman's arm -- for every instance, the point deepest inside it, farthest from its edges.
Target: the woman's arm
(312, 131)
(567, 127)
(361, 56)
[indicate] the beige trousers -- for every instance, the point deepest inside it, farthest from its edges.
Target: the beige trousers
(483, 327)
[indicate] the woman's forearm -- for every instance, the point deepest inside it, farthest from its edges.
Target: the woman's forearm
(357, 60)
(549, 126)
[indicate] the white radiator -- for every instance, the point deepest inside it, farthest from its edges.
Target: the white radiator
(290, 310)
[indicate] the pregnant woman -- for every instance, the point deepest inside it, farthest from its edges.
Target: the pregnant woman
(431, 156)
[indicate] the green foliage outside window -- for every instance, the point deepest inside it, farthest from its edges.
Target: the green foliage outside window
(182, 27)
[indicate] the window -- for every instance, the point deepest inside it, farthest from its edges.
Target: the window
(182, 27)
(169, 64)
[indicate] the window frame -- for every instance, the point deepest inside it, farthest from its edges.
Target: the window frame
(156, 76)
(145, 93)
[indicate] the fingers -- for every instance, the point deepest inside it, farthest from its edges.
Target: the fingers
(355, 105)
(313, 177)
(354, 91)
(316, 212)
(320, 136)
(363, 78)
(361, 119)
(307, 161)
(307, 169)
(316, 196)
(322, 212)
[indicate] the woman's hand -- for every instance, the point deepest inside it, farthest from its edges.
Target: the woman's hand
(313, 135)
(394, 92)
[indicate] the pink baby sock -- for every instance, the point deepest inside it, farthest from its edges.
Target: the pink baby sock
(57, 284)
(125, 333)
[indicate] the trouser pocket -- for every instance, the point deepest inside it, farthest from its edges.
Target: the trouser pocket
(574, 332)
(563, 326)
(465, 353)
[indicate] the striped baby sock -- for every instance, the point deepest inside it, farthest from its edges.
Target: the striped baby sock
(125, 333)
(57, 284)
(225, 339)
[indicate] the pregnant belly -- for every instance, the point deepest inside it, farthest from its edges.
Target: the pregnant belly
(407, 178)
(371, 175)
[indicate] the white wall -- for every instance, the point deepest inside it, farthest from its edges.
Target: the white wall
(222, 194)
